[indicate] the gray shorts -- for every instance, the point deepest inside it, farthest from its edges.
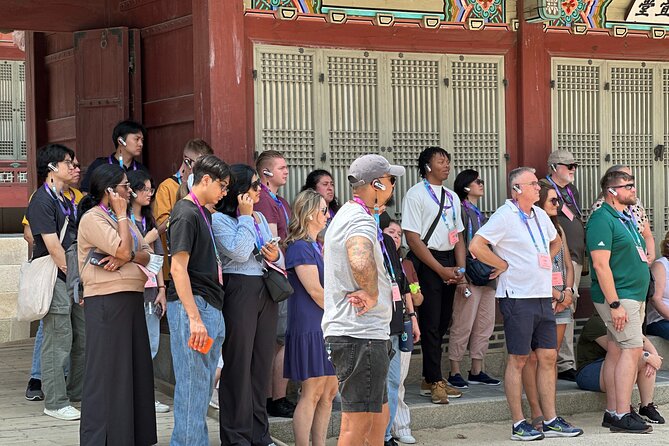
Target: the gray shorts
(361, 366)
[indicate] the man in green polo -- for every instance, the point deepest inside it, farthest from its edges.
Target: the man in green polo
(620, 280)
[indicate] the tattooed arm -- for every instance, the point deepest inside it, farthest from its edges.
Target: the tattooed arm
(360, 252)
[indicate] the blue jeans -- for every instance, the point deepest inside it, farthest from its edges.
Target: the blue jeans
(659, 328)
(194, 372)
(153, 327)
(36, 369)
(394, 372)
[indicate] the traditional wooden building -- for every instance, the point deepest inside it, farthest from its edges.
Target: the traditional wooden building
(326, 80)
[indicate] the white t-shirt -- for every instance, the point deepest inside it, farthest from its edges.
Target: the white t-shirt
(511, 241)
(419, 210)
(339, 316)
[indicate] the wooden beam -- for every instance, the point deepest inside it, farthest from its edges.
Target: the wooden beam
(61, 15)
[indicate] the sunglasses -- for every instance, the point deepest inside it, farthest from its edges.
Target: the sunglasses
(479, 181)
(324, 210)
(256, 184)
(554, 201)
(572, 166)
(393, 179)
(628, 186)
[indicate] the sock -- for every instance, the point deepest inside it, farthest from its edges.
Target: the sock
(550, 421)
(610, 412)
(620, 415)
(517, 423)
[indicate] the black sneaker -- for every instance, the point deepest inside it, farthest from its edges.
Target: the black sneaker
(280, 408)
(628, 423)
(483, 378)
(390, 442)
(34, 390)
(457, 381)
(606, 422)
(567, 375)
(650, 414)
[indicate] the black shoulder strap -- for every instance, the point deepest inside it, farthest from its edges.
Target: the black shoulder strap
(436, 219)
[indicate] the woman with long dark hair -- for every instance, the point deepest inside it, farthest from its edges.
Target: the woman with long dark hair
(118, 403)
(141, 200)
(321, 181)
(244, 241)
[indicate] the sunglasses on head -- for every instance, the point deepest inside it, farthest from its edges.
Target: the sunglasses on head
(571, 166)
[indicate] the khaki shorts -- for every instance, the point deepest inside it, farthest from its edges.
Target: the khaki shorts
(631, 336)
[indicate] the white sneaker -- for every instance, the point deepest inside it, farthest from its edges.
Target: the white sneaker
(214, 400)
(407, 439)
(162, 408)
(67, 413)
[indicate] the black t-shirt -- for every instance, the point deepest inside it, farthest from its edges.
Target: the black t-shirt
(588, 350)
(110, 159)
(397, 322)
(46, 216)
(188, 232)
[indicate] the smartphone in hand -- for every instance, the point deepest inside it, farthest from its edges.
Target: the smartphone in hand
(205, 348)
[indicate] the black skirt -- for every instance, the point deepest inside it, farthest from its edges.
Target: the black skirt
(117, 406)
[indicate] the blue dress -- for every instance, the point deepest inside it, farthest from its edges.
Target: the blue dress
(305, 355)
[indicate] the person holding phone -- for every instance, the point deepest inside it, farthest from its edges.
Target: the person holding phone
(243, 238)
(141, 198)
(117, 404)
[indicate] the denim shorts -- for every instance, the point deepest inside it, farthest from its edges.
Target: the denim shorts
(529, 324)
(587, 377)
(361, 366)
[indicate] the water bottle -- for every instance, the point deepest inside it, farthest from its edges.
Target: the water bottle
(406, 337)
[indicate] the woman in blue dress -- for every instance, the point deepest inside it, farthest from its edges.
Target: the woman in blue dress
(305, 357)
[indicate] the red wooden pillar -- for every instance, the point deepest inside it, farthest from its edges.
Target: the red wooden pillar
(221, 77)
(534, 110)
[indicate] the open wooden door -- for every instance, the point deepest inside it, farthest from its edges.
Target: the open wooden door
(107, 86)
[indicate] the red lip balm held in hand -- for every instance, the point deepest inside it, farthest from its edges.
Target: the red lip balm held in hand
(205, 348)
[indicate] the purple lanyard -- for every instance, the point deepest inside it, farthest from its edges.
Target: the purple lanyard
(561, 197)
(120, 163)
(446, 206)
(379, 236)
(318, 247)
(260, 240)
(277, 201)
(113, 217)
(523, 217)
(479, 217)
(211, 232)
(66, 211)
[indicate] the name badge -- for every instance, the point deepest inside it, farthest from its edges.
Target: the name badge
(220, 274)
(152, 280)
(557, 279)
(396, 293)
(453, 237)
(642, 254)
(544, 261)
(567, 212)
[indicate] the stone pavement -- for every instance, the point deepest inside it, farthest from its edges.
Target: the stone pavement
(480, 417)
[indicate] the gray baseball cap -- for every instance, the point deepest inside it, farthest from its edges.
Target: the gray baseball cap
(561, 156)
(367, 167)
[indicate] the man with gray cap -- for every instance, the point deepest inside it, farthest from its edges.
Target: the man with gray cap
(562, 167)
(359, 288)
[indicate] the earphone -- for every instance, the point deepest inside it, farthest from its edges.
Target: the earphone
(377, 184)
(553, 168)
(110, 190)
(52, 167)
(311, 217)
(466, 189)
(134, 195)
(428, 169)
(612, 191)
(267, 173)
(122, 141)
(517, 189)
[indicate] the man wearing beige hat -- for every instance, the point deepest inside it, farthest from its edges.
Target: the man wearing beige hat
(562, 167)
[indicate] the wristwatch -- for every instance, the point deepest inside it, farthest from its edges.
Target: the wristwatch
(614, 304)
(646, 355)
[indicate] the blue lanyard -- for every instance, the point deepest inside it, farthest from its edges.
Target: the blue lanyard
(178, 177)
(277, 201)
(379, 236)
(479, 217)
(120, 163)
(446, 206)
(143, 228)
(113, 217)
(624, 219)
(318, 248)
(211, 232)
(64, 209)
(523, 217)
(561, 197)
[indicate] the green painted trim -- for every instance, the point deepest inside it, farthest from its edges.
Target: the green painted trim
(372, 13)
(635, 26)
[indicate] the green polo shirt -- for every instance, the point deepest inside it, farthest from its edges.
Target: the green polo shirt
(606, 230)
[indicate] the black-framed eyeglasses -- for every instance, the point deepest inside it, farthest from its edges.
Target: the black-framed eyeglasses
(224, 187)
(479, 181)
(628, 186)
(554, 201)
(571, 166)
(76, 166)
(256, 184)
